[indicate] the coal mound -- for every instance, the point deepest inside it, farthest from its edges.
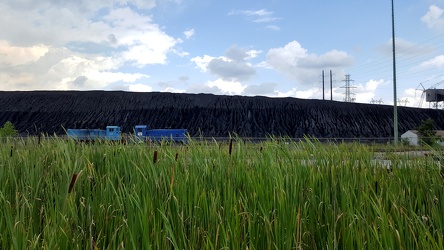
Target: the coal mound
(208, 115)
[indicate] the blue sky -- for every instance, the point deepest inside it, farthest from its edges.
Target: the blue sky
(270, 48)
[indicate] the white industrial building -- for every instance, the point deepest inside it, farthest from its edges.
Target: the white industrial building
(414, 137)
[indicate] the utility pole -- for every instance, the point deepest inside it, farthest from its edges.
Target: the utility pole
(331, 87)
(323, 86)
(348, 88)
(395, 105)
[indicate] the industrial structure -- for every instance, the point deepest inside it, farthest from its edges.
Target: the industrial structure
(435, 96)
(432, 95)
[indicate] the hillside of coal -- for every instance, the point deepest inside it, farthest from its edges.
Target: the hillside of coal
(34, 112)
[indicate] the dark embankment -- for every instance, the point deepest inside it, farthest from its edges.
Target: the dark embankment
(212, 115)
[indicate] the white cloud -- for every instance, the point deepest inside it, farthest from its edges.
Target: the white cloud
(433, 18)
(273, 27)
(110, 77)
(173, 90)
(227, 87)
(179, 52)
(253, 54)
(372, 85)
(232, 67)
(231, 70)
(311, 93)
(257, 16)
(54, 45)
(264, 89)
(146, 43)
(139, 87)
(364, 93)
(61, 69)
(141, 4)
(80, 6)
(15, 55)
(262, 12)
(198, 88)
(413, 98)
(330, 59)
(218, 87)
(296, 63)
(404, 47)
(264, 64)
(202, 62)
(189, 33)
(436, 62)
(96, 73)
(286, 58)
(291, 93)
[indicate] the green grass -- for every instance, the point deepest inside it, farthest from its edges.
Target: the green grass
(271, 195)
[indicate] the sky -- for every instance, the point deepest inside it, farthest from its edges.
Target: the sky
(274, 48)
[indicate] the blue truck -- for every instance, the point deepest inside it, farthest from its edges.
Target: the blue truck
(176, 135)
(111, 133)
(142, 133)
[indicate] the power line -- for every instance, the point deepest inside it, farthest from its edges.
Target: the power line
(381, 66)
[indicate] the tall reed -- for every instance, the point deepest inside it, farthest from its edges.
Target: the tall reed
(277, 194)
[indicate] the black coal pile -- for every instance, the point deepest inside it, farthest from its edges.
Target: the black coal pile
(205, 114)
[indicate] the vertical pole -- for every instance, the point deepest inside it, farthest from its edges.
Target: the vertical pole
(323, 86)
(331, 87)
(395, 104)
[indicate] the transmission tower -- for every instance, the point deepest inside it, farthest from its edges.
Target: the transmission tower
(405, 101)
(373, 101)
(348, 94)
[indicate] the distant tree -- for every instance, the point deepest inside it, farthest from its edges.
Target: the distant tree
(427, 131)
(8, 130)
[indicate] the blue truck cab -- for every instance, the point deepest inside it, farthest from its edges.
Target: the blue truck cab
(140, 130)
(113, 133)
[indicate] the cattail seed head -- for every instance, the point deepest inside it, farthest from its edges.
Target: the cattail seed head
(155, 157)
(73, 181)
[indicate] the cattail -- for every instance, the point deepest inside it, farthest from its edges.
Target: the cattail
(231, 146)
(177, 156)
(172, 179)
(73, 181)
(155, 157)
(376, 187)
(298, 228)
(217, 235)
(12, 147)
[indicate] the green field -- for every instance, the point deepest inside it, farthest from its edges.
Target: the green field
(275, 194)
